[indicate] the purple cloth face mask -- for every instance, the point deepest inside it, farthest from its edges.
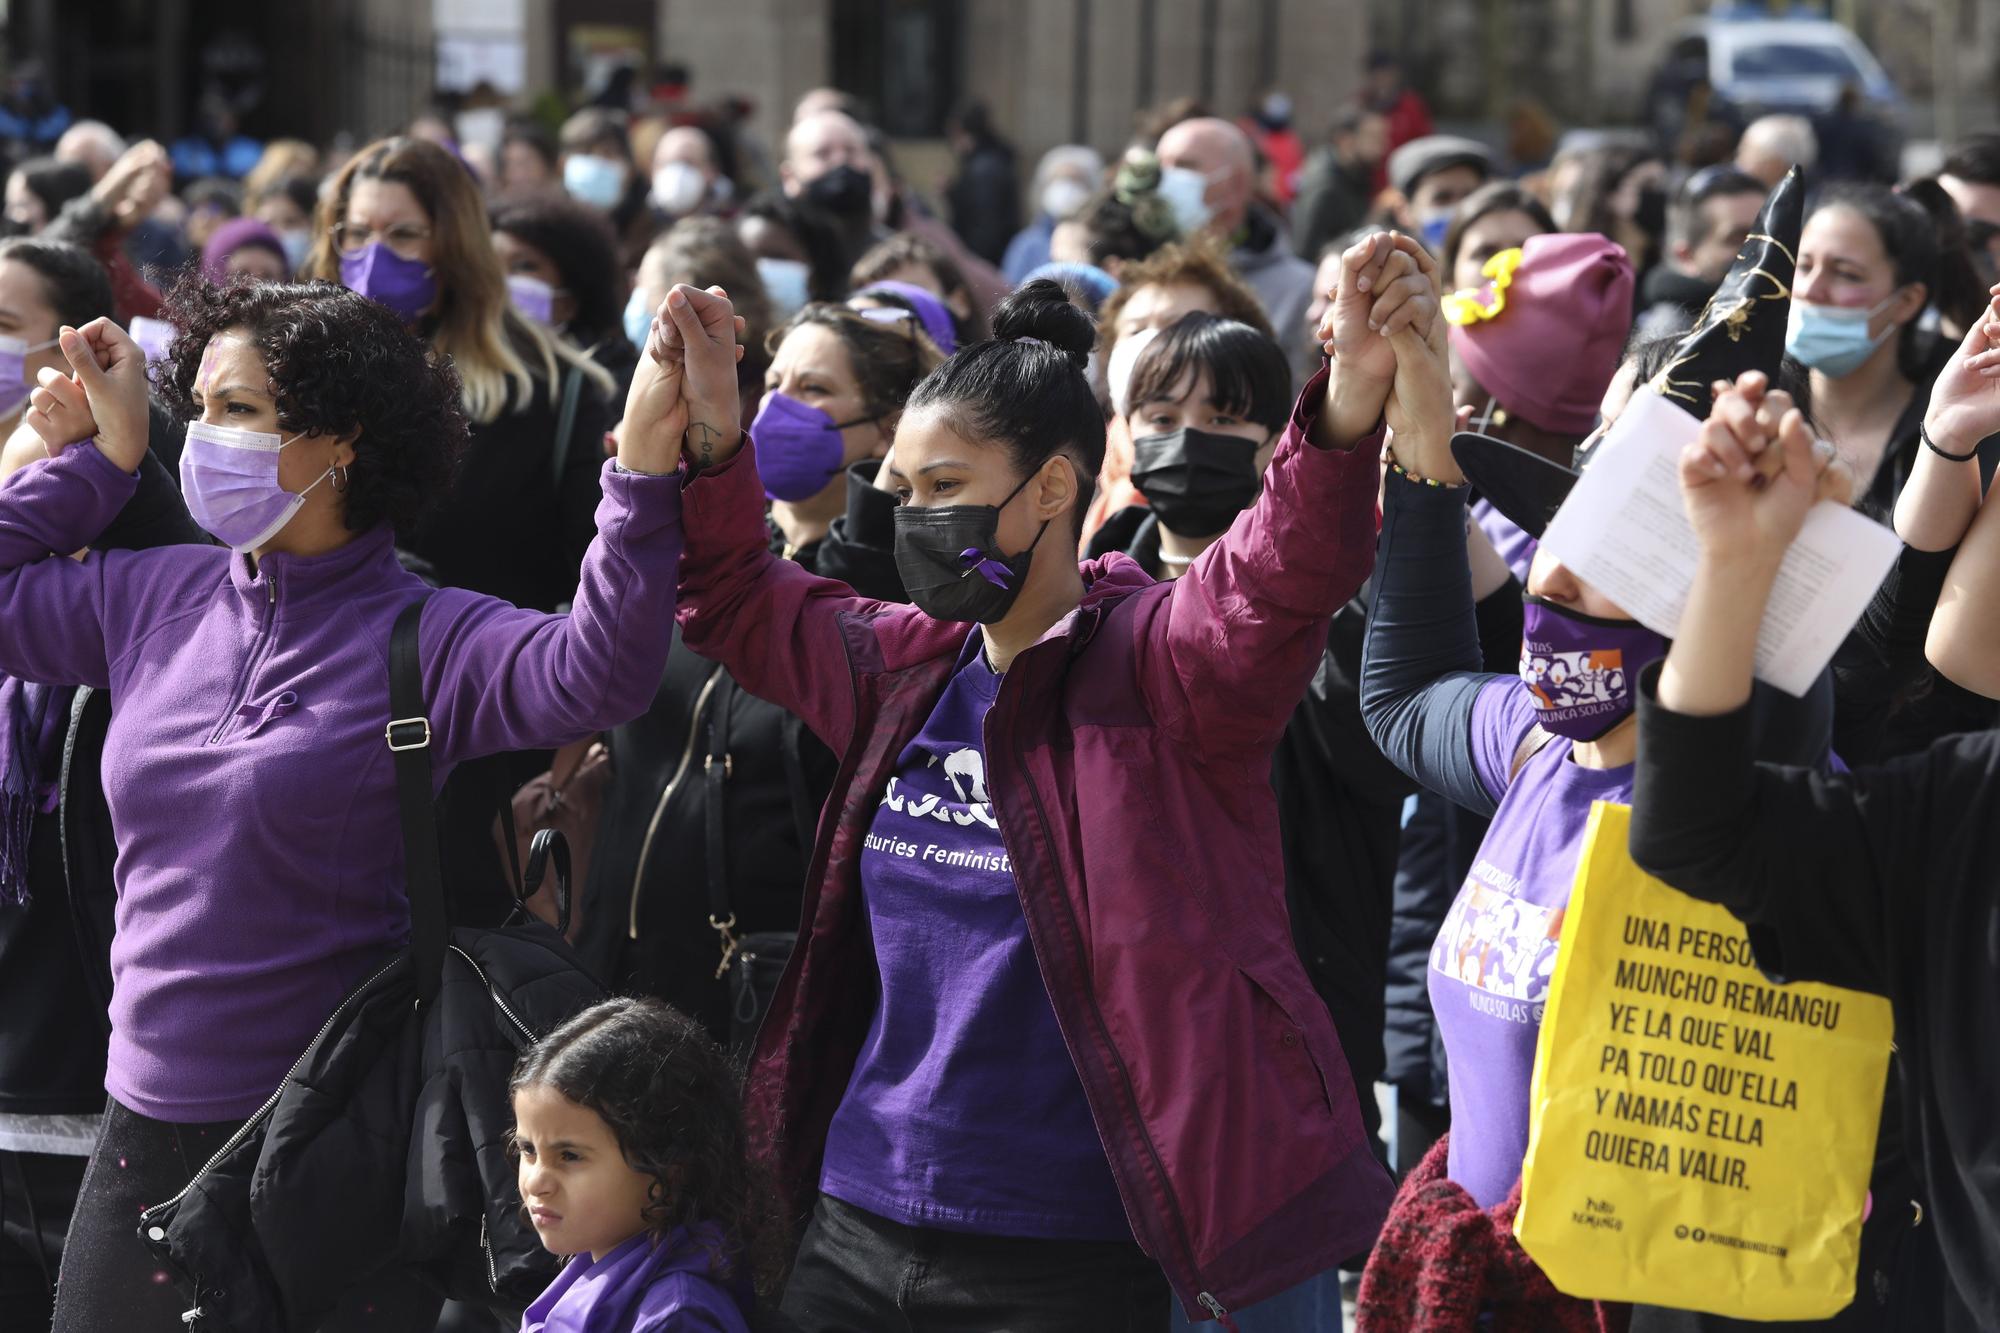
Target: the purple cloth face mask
(799, 447)
(229, 478)
(1582, 671)
(406, 286)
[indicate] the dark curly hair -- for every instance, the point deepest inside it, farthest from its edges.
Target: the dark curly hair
(338, 362)
(579, 242)
(673, 1099)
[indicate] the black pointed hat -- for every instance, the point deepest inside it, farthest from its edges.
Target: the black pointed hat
(1741, 328)
(1743, 325)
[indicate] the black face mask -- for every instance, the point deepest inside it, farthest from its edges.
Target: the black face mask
(844, 191)
(1195, 480)
(950, 565)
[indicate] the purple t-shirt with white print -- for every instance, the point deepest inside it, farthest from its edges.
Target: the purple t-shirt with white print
(964, 1111)
(1492, 961)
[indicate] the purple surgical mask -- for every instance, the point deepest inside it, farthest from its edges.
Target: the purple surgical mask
(229, 477)
(799, 448)
(406, 286)
(15, 386)
(1582, 671)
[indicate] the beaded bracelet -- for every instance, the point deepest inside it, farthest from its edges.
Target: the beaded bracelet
(1924, 434)
(1407, 475)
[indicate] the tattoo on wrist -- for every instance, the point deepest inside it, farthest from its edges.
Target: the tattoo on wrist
(703, 436)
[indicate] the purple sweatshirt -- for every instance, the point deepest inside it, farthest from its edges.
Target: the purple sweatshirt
(260, 867)
(646, 1285)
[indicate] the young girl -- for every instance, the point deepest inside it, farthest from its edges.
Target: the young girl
(630, 1135)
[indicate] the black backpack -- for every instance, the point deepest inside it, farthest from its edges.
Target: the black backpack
(388, 1142)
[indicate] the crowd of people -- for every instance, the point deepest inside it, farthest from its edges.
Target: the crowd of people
(1036, 684)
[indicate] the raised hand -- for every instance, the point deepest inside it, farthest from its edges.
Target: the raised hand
(104, 396)
(1965, 397)
(1387, 282)
(134, 184)
(684, 395)
(1419, 409)
(1753, 472)
(1357, 325)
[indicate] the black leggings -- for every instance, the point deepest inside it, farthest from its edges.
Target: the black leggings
(110, 1280)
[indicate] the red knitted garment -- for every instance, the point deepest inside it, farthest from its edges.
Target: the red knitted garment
(1441, 1259)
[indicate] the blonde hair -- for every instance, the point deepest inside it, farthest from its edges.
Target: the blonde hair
(476, 325)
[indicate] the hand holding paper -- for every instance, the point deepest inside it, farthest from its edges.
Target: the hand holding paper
(1627, 530)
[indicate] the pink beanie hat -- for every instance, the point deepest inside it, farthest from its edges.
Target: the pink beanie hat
(1545, 337)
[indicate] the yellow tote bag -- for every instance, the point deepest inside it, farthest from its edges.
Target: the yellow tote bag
(1698, 1138)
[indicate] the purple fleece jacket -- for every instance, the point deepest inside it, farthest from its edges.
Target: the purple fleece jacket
(260, 867)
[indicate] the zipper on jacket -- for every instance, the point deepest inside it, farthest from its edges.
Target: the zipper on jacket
(243, 1131)
(1214, 1307)
(486, 1248)
(660, 811)
(491, 993)
(1104, 1031)
(257, 652)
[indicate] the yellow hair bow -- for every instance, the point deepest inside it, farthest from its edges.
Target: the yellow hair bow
(1464, 307)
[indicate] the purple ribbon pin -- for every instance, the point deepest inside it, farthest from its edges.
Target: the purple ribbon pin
(978, 562)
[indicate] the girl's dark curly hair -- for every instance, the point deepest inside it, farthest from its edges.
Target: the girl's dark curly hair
(672, 1096)
(338, 362)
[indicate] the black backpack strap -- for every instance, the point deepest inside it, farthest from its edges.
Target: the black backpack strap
(409, 737)
(565, 425)
(717, 768)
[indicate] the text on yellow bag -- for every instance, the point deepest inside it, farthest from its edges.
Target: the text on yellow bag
(1698, 1137)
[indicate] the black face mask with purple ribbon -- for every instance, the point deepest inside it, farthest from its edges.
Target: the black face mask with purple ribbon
(951, 563)
(1582, 671)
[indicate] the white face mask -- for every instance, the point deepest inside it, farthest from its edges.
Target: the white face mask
(678, 188)
(1118, 373)
(1186, 192)
(788, 282)
(1063, 196)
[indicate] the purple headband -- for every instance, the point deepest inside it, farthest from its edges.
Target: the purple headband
(930, 312)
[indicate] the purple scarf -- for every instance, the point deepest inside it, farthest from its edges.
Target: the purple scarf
(31, 731)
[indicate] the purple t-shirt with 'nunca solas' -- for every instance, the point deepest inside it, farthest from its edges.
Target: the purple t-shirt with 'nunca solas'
(1492, 962)
(964, 1111)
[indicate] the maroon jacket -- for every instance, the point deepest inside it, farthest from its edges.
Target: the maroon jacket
(1129, 761)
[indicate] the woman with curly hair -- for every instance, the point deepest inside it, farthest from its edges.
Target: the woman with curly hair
(259, 868)
(633, 1162)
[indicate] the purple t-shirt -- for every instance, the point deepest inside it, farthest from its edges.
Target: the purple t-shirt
(1491, 964)
(964, 1111)
(1516, 547)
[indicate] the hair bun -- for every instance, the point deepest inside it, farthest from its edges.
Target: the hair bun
(1041, 310)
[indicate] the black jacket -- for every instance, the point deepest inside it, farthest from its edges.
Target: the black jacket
(1881, 880)
(680, 832)
(327, 1183)
(510, 525)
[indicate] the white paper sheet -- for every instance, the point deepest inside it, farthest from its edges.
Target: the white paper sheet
(1623, 531)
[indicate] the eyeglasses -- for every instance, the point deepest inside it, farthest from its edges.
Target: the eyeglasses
(406, 239)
